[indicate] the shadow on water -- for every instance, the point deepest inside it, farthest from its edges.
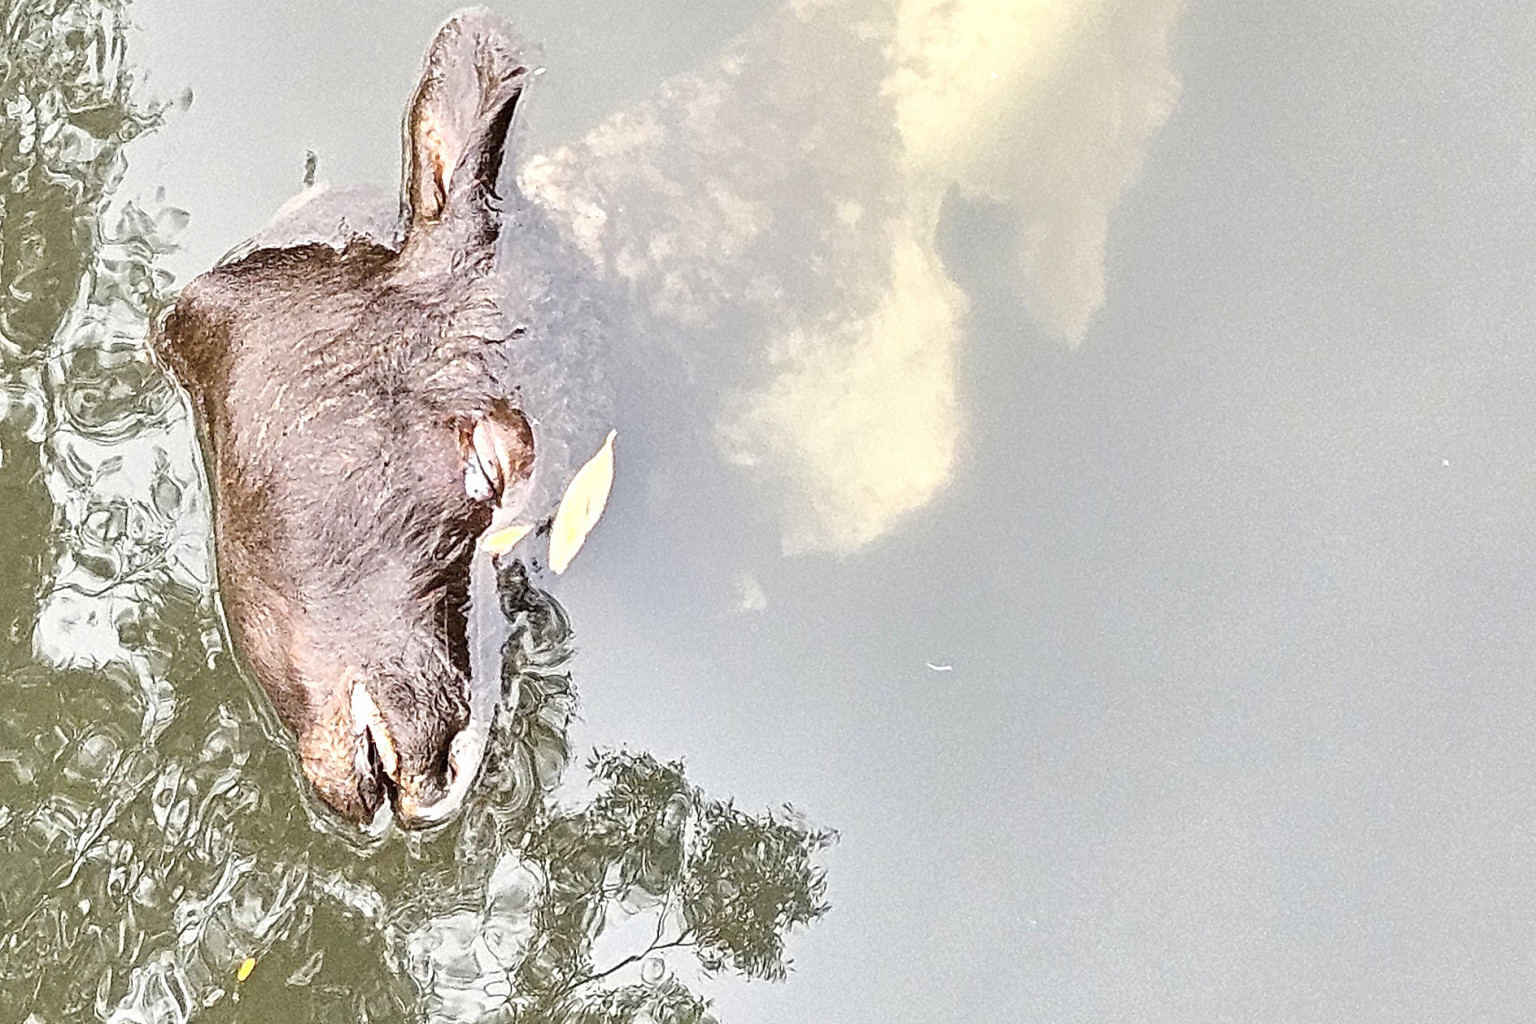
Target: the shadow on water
(161, 859)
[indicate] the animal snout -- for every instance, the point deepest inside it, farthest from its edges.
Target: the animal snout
(423, 775)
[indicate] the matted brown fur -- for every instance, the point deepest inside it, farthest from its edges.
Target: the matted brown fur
(335, 392)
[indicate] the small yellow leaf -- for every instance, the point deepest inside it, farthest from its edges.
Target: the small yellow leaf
(581, 506)
(500, 541)
(246, 969)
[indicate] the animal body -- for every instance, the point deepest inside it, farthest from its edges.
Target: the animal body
(361, 428)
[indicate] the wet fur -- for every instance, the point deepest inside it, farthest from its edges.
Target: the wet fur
(335, 391)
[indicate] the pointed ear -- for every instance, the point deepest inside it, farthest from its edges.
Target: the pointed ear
(457, 122)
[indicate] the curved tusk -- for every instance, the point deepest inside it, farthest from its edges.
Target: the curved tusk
(491, 452)
(366, 718)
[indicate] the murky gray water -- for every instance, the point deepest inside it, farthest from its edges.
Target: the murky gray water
(1078, 451)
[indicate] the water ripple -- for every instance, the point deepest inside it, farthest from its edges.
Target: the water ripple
(161, 857)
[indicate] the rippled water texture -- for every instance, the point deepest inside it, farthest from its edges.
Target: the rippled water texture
(160, 857)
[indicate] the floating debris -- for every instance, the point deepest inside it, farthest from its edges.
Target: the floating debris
(581, 506)
(500, 537)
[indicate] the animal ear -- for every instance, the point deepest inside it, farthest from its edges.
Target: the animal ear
(457, 122)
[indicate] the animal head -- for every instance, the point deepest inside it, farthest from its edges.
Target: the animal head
(360, 428)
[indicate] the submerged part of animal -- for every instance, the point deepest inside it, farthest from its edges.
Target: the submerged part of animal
(362, 421)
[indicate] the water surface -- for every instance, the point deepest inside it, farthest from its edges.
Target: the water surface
(1100, 491)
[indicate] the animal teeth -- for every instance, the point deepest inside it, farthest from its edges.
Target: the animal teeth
(366, 717)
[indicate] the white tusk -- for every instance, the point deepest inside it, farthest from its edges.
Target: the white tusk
(491, 450)
(365, 716)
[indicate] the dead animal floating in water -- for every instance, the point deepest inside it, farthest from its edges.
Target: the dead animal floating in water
(361, 410)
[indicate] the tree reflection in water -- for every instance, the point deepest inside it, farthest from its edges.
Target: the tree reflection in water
(155, 835)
